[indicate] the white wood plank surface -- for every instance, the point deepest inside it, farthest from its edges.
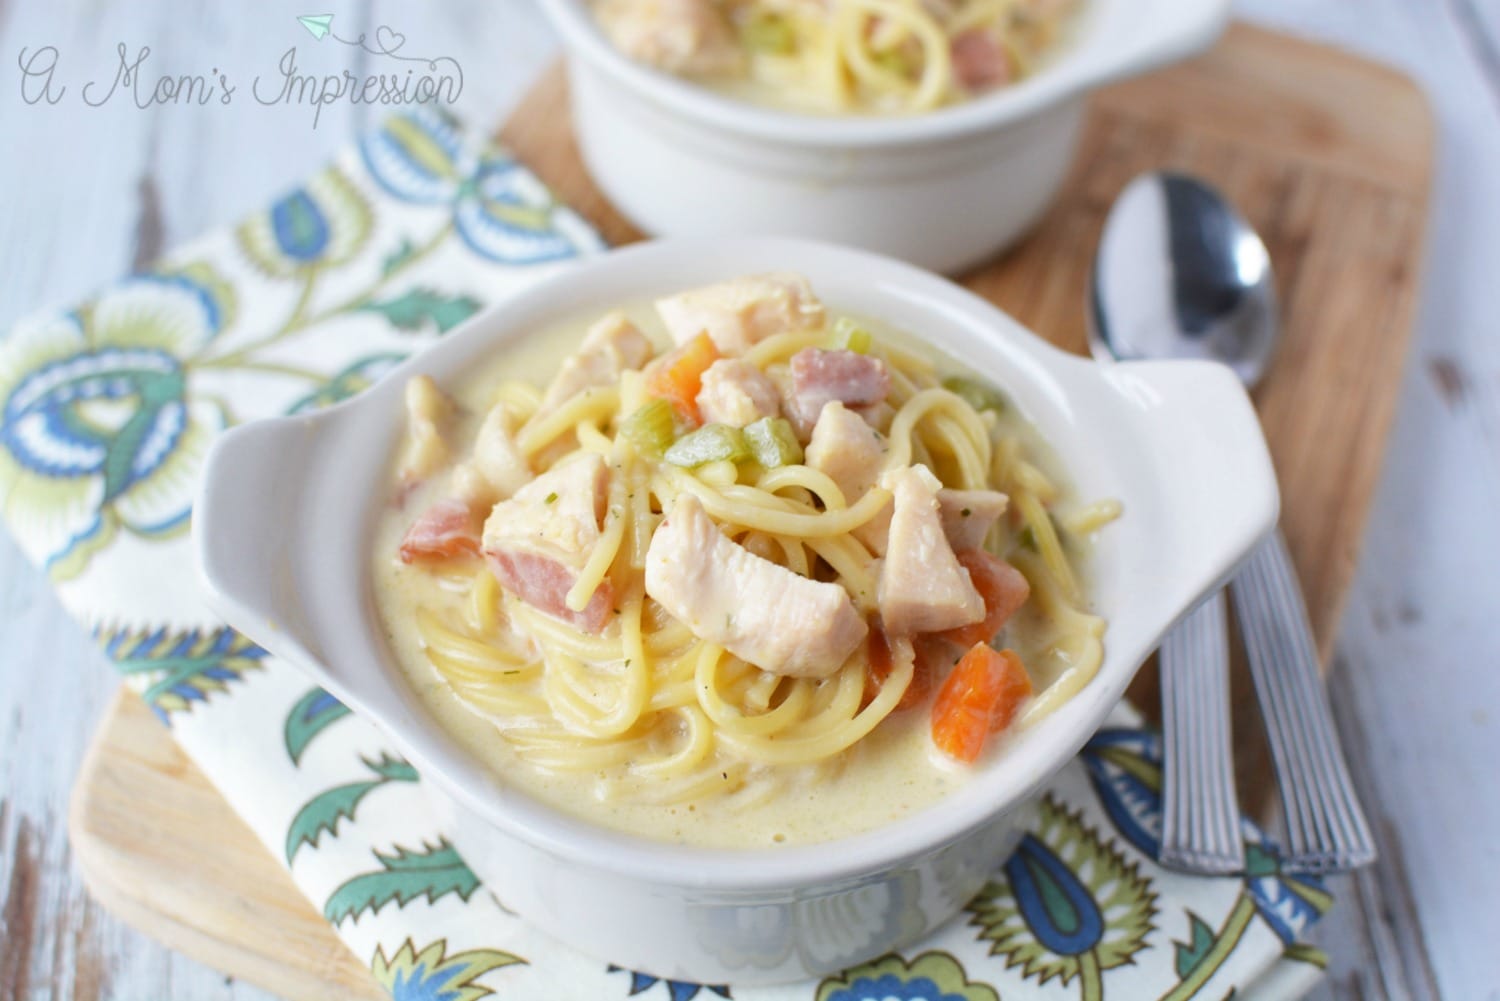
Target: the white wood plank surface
(91, 193)
(1418, 694)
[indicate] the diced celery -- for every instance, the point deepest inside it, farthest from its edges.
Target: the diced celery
(895, 61)
(650, 429)
(850, 336)
(710, 443)
(976, 393)
(773, 442)
(769, 33)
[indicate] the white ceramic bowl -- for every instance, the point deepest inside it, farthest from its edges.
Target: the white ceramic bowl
(944, 190)
(283, 530)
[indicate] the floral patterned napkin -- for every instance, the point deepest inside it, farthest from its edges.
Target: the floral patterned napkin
(109, 409)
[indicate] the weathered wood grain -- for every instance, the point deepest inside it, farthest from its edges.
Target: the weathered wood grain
(1376, 937)
(154, 869)
(1421, 636)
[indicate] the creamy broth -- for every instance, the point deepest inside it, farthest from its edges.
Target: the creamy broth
(890, 773)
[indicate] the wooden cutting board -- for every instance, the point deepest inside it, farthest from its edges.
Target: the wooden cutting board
(1327, 154)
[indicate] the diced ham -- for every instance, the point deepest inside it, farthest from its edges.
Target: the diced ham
(820, 377)
(923, 588)
(759, 611)
(612, 345)
(968, 515)
(689, 37)
(429, 412)
(538, 542)
(739, 313)
(736, 393)
(979, 60)
(852, 454)
(847, 376)
(497, 467)
(544, 583)
(446, 529)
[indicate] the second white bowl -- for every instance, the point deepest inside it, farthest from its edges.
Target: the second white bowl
(944, 190)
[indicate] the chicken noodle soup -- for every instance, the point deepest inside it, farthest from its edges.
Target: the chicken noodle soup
(837, 56)
(733, 571)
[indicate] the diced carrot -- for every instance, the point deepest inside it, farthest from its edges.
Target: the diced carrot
(1004, 590)
(980, 697)
(1017, 689)
(678, 376)
(446, 529)
(881, 664)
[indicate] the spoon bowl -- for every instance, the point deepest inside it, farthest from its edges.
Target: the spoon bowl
(1181, 274)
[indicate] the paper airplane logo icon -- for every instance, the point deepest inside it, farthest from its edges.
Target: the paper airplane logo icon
(317, 25)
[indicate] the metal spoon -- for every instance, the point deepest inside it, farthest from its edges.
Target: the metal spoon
(1180, 274)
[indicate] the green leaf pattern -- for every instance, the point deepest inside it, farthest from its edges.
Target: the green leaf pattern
(419, 309)
(313, 713)
(1190, 954)
(178, 670)
(324, 811)
(403, 876)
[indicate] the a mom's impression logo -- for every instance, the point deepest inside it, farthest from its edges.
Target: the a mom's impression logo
(387, 75)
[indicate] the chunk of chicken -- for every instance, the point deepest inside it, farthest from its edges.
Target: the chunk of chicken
(497, 467)
(429, 413)
(878, 415)
(847, 449)
(688, 37)
(852, 454)
(923, 587)
(538, 542)
(737, 314)
(968, 515)
(759, 611)
(612, 345)
(820, 377)
(736, 393)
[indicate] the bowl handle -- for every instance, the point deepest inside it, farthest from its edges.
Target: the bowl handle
(1210, 466)
(245, 525)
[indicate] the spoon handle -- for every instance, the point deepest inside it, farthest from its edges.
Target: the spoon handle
(1326, 828)
(1200, 812)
